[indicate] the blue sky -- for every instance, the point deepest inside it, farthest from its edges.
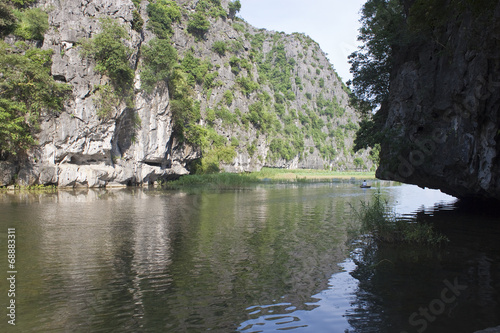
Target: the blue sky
(333, 24)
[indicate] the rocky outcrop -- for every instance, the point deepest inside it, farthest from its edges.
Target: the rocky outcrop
(443, 111)
(137, 146)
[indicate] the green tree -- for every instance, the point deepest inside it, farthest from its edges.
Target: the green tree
(195, 68)
(7, 19)
(359, 163)
(162, 14)
(160, 58)
(234, 8)
(185, 114)
(219, 47)
(22, 3)
(136, 3)
(228, 97)
(32, 23)
(198, 24)
(211, 8)
(383, 31)
(27, 90)
(383, 27)
(247, 85)
(137, 21)
(111, 55)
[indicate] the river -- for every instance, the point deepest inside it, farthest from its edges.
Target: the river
(265, 258)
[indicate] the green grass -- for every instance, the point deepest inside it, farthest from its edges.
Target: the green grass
(31, 188)
(233, 180)
(381, 223)
(216, 180)
(275, 173)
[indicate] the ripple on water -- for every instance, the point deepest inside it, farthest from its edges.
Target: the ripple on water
(326, 314)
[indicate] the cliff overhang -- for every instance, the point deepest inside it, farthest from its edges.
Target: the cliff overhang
(442, 125)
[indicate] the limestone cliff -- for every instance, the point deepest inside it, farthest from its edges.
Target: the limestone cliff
(442, 115)
(138, 145)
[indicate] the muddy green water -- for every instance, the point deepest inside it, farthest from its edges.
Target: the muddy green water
(266, 258)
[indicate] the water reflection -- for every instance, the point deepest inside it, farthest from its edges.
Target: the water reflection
(261, 259)
(153, 261)
(448, 289)
(325, 313)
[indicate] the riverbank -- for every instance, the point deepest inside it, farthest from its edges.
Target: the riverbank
(225, 179)
(310, 174)
(265, 175)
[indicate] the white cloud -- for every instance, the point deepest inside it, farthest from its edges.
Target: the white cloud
(333, 24)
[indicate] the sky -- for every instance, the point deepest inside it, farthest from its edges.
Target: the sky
(333, 24)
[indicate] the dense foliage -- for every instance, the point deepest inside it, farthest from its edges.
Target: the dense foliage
(31, 23)
(137, 21)
(160, 57)
(382, 28)
(220, 47)
(27, 90)
(22, 3)
(162, 14)
(7, 19)
(111, 54)
(213, 8)
(198, 24)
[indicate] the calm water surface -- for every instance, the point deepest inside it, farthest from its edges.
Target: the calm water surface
(262, 259)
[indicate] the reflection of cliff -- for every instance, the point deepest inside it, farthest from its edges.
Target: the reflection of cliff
(180, 261)
(259, 247)
(450, 289)
(99, 255)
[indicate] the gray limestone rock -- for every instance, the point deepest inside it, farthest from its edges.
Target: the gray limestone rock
(137, 146)
(443, 112)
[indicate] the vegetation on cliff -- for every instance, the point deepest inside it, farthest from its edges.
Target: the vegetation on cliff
(246, 96)
(27, 89)
(270, 114)
(112, 59)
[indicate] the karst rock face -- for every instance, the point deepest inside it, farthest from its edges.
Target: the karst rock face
(77, 147)
(443, 110)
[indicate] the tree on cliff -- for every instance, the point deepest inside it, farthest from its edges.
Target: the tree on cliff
(27, 88)
(27, 91)
(383, 27)
(234, 8)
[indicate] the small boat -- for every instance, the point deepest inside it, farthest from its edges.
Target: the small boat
(365, 186)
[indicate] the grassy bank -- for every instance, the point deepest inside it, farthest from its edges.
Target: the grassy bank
(217, 180)
(377, 220)
(287, 174)
(227, 180)
(31, 188)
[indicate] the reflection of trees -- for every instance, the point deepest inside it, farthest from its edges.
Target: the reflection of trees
(396, 281)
